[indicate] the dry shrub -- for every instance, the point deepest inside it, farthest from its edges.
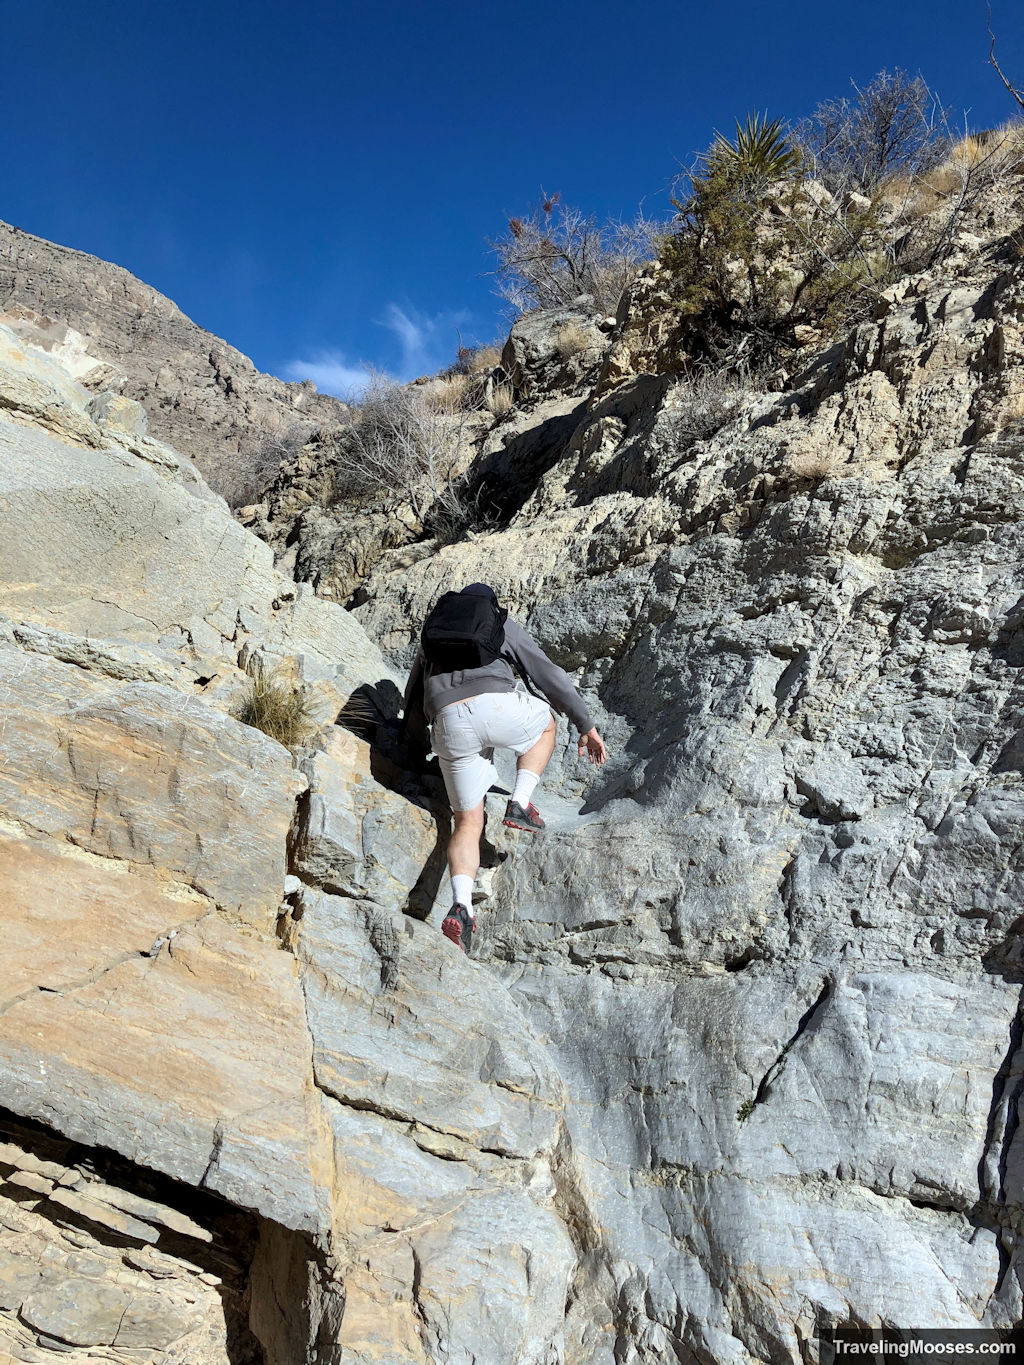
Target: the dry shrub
(570, 339)
(402, 442)
(466, 383)
(555, 253)
(275, 706)
(892, 126)
(500, 400)
(242, 475)
(706, 399)
(813, 465)
(408, 441)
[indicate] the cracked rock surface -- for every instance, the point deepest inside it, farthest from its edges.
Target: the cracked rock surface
(739, 1049)
(773, 948)
(209, 978)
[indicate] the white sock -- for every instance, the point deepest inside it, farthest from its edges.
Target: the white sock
(525, 783)
(462, 890)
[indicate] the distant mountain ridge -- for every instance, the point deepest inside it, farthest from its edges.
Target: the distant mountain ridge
(113, 331)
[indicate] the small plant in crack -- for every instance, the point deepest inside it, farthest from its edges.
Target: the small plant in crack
(273, 705)
(746, 1109)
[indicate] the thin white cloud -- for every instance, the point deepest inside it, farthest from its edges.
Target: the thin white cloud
(331, 373)
(428, 341)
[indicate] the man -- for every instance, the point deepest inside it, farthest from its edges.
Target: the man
(478, 707)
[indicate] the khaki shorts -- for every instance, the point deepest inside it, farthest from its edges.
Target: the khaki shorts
(465, 734)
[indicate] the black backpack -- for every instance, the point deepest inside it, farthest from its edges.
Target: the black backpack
(463, 631)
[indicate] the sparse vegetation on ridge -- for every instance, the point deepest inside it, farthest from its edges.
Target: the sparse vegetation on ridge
(553, 254)
(781, 232)
(783, 236)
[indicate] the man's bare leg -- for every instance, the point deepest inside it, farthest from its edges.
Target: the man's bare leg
(521, 813)
(535, 760)
(463, 865)
(464, 845)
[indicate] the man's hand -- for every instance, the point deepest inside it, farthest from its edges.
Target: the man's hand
(593, 745)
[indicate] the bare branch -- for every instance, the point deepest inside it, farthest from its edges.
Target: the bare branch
(1017, 95)
(555, 253)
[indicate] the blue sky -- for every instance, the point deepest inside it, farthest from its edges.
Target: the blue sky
(316, 182)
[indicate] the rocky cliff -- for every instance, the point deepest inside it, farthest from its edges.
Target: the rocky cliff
(739, 1051)
(112, 332)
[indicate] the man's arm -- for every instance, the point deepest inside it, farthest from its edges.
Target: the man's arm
(553, 681)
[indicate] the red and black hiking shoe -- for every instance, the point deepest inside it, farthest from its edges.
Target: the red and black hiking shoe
(518, 818)
(458, 925)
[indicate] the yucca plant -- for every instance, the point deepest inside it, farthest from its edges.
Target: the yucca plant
(760, 150)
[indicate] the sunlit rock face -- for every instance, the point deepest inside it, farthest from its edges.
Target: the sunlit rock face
(773, 947)
(738, 1048)
(127, 343)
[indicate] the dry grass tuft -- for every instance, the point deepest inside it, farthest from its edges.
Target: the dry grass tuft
(500, 400)
(813, 465)
(272, 704)
(483, 359)
(971, 166)
(570, 339)
(451, 393)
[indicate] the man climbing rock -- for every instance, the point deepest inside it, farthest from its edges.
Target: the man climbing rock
(463, 684)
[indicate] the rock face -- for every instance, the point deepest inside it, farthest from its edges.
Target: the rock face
(774, 946)
(739, 1050)
(208, 968)
(112, 332)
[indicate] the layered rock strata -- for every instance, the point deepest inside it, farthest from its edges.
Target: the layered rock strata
(739, 1049)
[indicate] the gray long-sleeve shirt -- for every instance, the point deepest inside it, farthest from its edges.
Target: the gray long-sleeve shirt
(521, 650)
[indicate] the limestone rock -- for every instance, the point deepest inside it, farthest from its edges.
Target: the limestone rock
(141, 774)
(445, 1142)
(793, 891)
(553, 348)
(227, 1095)
(739, 1047)
(444, 1259)
(439, 1007)
(79, 1312)
(353, 836)
(35, 389)
(65, 1278)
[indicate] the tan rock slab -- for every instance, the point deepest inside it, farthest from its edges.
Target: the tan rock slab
(148, 1210)
(79, 1311)
(35, 389)
(70, 915)
(28, 1180)
(195, 1063)
(140, 773)
(468, 1252)
(109, 547)
(151, 1321)
(11, 1155)
(112, 1219)
(19, 1275)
